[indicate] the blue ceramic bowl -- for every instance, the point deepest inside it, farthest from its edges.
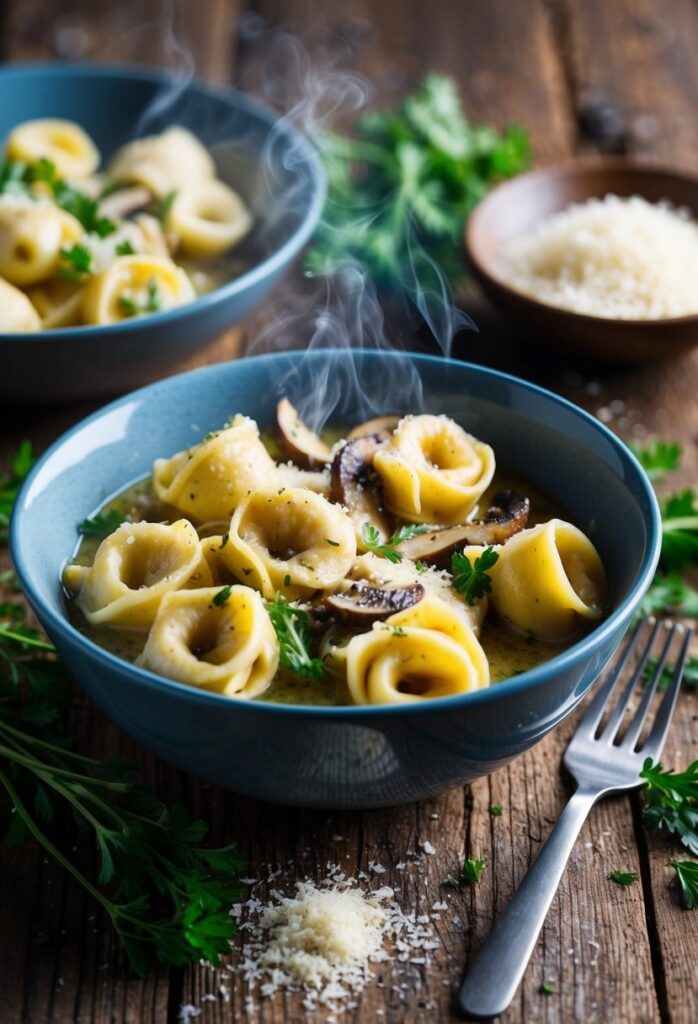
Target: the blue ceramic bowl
(349, 756)
(274, 168)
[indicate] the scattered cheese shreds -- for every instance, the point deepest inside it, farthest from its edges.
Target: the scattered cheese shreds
(614, 257)
(323, 939)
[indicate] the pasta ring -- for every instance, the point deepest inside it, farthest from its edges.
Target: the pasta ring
(68, 146)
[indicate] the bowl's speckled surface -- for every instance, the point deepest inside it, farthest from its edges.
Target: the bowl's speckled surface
(274, 168)
(355, 756)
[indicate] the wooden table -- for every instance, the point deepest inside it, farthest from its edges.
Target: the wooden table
(611, 954)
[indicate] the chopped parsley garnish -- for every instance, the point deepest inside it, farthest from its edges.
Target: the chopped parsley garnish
(472, 580)
(333, 543)
(124, 248)
(687, 874)
(162, 208)
(496, 810)
(470, 873)
(102, 524)
(669, 593)
(671, 801)
(224, 540)
(657, 457)
(623, 877)
(547, 988)
(77, 262)
(152, 303)
(294, 636)
(372, 540)
(689, 680)
(17, 177)
(223, 596)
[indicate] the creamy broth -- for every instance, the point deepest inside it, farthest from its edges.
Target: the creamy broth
(509, 653)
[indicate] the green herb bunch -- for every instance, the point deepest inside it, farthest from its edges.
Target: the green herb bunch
(166, 895)
(401, 189)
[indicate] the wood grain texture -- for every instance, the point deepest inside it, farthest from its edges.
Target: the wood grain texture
(611, 954)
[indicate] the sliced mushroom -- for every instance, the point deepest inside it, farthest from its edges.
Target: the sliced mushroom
(363, 604)
(125, 201)
(354, 485)
(507, 514)
(298, 441)
(382, 425)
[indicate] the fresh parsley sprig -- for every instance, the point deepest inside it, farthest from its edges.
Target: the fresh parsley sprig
(687, 874)
(657, 457)
(18, 178)
(21, 463)
(401, 189)
(472, 580)
(103, 523)
(293, 632)
(167, 896)
(680, 530)
(372, 539)
(689, 680)
(671, 801)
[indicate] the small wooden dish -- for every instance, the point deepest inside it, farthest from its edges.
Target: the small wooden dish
(519, 205)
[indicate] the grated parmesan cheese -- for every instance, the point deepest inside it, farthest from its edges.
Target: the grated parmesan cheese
(622, 258)
(322, 940)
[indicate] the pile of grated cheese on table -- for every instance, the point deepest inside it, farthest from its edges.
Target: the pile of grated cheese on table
(619, 258)
(324, 939)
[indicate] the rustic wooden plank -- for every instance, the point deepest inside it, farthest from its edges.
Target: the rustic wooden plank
(636, 59)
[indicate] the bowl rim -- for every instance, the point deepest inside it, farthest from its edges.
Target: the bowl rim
(272, 263)
(569, 169)
(538, 675)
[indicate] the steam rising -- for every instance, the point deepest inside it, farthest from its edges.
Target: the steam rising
(341, 311)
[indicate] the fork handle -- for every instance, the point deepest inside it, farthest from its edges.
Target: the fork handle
(494, 976)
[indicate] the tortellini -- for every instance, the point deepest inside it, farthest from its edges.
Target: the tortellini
(95, 248)
(210, 480)
(259, 592)
(224, 645)
(548, 581)
(433, 471)
(132, 286)
(16, 311)
(396, 664)
(163, 163)
(31, 236)
(292, 541)
(69, 148)
(133, 569)
(208, 217)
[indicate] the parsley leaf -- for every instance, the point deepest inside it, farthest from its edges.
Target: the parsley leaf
(10, 484)
(221, 598)
(671, 801)
(293, 632)
(690, 673)
(124, 248)
(472, 580)
(687, 874)
(680, 530)
(404, 185)
(102, 524)
(669, 593)
(152, 303)
(372, 541)
(472, 870)
(77, 262)
(547, 988)
(623, 877)
(657, 457)
(496, 810)
(162, 207)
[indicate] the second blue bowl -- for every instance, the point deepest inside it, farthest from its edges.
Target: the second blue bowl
(264, 158)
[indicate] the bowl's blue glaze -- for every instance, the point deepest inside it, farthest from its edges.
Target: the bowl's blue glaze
(274, 168)
(355, 756)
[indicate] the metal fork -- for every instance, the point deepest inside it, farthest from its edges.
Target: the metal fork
(601, 763)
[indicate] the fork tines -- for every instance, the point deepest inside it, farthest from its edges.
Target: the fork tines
(650, 642)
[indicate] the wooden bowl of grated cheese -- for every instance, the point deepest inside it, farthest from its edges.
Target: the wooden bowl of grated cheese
(596, 255)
